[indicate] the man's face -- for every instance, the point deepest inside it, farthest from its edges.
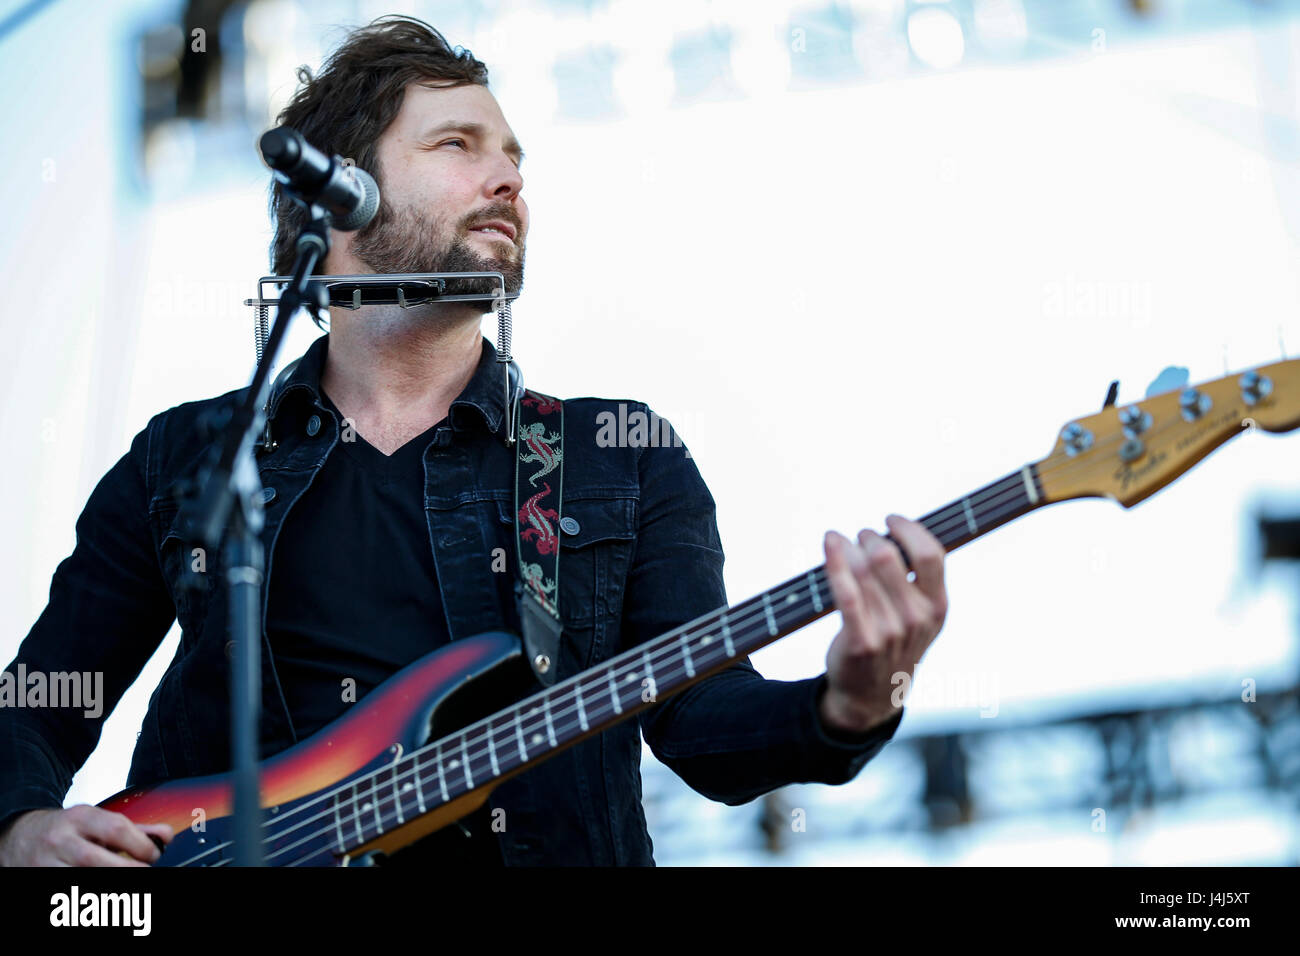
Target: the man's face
(448, 164)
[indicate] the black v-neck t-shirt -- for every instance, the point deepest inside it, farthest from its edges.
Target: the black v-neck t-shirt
(354, 595)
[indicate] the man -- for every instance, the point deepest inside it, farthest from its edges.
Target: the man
(387, 483)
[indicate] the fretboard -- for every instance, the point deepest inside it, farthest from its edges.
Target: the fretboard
(536, 728)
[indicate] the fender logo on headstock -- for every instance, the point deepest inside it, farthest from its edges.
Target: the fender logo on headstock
(1127, 474)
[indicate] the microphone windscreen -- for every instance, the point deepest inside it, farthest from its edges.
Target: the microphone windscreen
(366, 209)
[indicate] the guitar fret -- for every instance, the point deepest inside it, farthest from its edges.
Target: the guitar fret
(726, 636)
(582, 711)
(492, 751)
(379, 821)
(356, 813)
(464, 752)
(767, 610)
(613, 693)
(649, 676)
(535, 738)
(519, 733)
(550, 728)
(338, 820)
(686, 653)
(814, 591)
(397, 796)
(970, 517)
(419, 791)
(442, 777)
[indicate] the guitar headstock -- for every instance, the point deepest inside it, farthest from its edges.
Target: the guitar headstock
(1130, 451)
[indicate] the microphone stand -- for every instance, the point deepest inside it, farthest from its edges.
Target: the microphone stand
(224, 508)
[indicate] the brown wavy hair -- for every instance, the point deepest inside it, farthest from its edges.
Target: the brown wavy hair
(346, 107)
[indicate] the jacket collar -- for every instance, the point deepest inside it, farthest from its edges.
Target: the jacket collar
(482, 401)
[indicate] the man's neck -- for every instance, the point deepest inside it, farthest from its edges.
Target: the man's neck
(392, 370)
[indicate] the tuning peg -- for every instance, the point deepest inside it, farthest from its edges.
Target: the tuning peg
(1111, 394)
(1172, 377)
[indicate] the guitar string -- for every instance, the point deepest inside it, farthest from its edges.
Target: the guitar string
(665, 642)
(489, 732)
(387, 817)
(1010, 485)
(954, 513)
(998, 489)
(995, 490)
(384, 778)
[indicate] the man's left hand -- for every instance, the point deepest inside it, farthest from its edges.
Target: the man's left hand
(888, 621)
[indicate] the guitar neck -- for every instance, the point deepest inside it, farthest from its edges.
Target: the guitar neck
(990, 507)
(533, 730)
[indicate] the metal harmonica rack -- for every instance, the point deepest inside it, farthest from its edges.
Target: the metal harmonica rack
(405, 290)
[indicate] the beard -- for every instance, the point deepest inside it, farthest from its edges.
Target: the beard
(408, 241)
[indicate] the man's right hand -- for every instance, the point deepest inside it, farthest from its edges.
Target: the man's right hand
(80, 836)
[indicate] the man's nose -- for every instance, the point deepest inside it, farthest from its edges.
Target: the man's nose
(506, 181)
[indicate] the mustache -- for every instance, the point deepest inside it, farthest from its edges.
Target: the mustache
(503, 213)
(409, 239)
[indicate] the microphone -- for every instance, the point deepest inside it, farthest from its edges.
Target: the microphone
(349, 194)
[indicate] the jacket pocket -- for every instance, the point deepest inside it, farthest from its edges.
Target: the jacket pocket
(596, 548)
(594, 559)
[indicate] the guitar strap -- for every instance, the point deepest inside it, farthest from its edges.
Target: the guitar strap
(539, 474)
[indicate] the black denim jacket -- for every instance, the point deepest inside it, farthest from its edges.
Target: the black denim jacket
(646, 557)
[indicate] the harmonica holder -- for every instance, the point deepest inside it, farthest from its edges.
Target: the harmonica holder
(405, 290)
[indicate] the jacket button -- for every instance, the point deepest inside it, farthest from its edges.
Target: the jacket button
(313, 425)
(268, 494)
(569, 525)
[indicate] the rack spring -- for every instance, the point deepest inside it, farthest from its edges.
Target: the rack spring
(505, 331)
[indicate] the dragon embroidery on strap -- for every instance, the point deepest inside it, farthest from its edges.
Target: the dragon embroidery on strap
(539, 445)
(541, 586)
(544, 404)
(540, 522)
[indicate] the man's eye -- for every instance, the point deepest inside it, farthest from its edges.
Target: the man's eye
(461, 141)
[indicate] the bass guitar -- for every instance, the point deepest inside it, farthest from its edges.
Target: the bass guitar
(407, 760)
